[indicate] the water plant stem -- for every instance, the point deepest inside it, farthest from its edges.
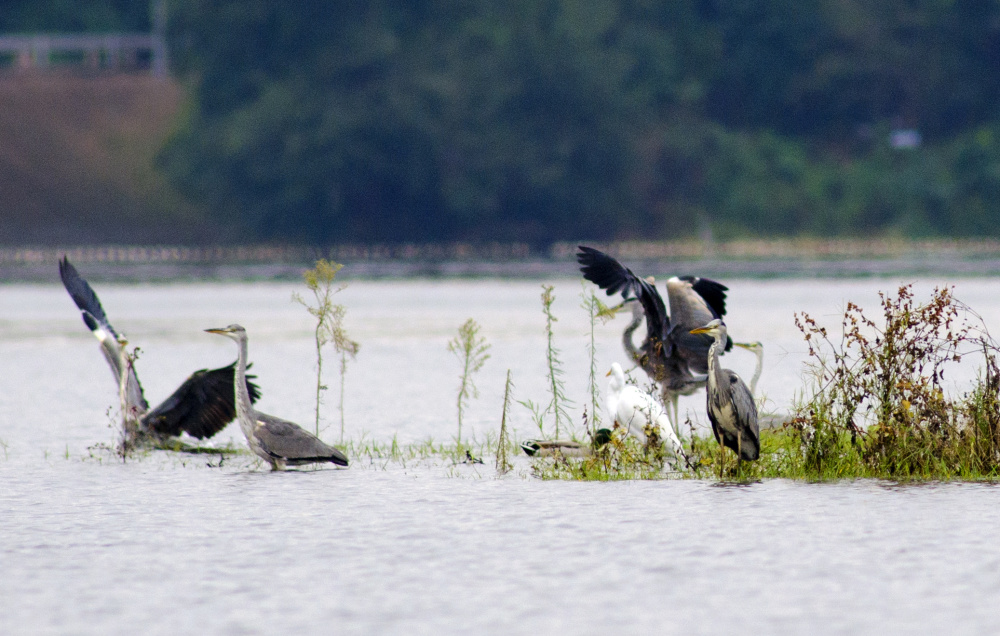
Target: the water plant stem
(503, 464)
(559, 401)
(472, 349)
(329, 328)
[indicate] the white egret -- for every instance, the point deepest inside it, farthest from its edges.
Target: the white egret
(634, 410)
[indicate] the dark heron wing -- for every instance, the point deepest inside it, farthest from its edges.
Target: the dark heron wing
(97, 321)
(202, 406)
(83, 295)
(289, 441)
(608, 274)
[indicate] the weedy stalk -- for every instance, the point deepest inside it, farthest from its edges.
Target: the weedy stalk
(557, 406)
(472, 349)
(880, 408)
(596, 310)
(503, 464)
(329, 328)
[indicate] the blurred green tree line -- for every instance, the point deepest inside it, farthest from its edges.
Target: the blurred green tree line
(538, 120)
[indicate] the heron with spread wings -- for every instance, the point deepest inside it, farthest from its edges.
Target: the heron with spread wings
(670, 354)
(201, 407)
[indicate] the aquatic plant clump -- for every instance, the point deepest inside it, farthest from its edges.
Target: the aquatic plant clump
(879, 407)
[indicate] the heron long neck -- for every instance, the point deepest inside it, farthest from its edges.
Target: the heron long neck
(627, 337)
(244, 407)
(757, 371)
(715, 377)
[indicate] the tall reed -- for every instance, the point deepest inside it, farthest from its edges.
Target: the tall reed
(472, 350)
(596, 310)
(503, 464)
(559, 402)
(329, 328)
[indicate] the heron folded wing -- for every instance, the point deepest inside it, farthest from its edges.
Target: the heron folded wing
(746, 413)
(291, 442)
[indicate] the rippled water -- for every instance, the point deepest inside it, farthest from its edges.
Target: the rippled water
(174, 543)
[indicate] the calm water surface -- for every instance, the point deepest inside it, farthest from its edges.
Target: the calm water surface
(174, 543)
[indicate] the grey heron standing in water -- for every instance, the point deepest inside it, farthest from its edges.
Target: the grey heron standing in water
(202, 406)
(672, 357)
(731, 407)
(278, 442)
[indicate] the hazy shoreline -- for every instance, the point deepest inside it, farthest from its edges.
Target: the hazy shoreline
(792, 258)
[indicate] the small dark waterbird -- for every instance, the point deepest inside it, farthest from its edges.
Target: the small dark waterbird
(201, 407)
(671, 356)
(279, 442)
(566, 447)
(731, 407)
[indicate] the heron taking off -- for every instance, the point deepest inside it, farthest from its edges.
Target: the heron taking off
(731, 407)
(278, 442)
(671, 356)
(201, 407)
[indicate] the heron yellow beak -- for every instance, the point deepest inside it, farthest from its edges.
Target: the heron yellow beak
(701, 330)
(608, 373)
(217, 330)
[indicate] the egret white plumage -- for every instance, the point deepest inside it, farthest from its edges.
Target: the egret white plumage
(671, 356)
(278, 442)
(731, 407)
(202, 406)
(634, 410)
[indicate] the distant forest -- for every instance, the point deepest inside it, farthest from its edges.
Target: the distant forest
(541, 120)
